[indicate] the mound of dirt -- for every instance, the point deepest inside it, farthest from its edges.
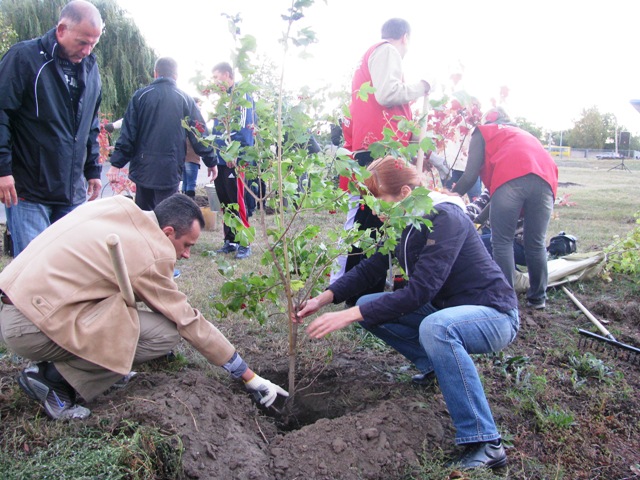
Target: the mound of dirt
(339, 427)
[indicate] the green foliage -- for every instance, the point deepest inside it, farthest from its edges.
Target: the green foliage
(589, 366)
(623, 256)
(8, 35)
(31, 18)
(592, 130)
(126, 60)
(528, 390)
(365, 90)
(508, 364)
(133, 451)
(432, 466)
(530, 127)
(298, 258)
(553, 418)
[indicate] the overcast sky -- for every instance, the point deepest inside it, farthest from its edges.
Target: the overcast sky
(556, 57)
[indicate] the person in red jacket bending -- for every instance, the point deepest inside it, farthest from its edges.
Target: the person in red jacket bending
(521, 177)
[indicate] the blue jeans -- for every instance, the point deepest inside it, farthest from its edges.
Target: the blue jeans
(441, 341)
(27, 220)
(190, 176)
(533, 196)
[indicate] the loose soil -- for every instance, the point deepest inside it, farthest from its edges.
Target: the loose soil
(359, 417)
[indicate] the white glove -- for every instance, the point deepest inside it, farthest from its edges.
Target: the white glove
(264, 391)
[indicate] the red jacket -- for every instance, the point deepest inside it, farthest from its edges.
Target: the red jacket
(369, 118)
(511, 152)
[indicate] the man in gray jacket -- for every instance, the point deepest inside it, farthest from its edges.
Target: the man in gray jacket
(51, 93)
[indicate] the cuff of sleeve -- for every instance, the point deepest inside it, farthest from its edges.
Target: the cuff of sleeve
(337, 299)
(236, 366)
(210, 162)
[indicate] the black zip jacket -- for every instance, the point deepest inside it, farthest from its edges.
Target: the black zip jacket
(153, 139)
(47, 148)
(447, 265)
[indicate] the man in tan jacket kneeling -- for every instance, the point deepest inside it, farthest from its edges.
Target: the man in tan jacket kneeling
(62, 307)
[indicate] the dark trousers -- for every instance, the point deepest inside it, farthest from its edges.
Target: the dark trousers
(230, 190)
(148, 198)
(366, 219)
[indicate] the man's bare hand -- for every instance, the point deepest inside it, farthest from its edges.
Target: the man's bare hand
(94, 188)
(212, 172)
(8, 194)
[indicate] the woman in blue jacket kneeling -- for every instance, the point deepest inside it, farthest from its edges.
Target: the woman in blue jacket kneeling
(456, 303)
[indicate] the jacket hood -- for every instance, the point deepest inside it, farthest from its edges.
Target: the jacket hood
(438, 197)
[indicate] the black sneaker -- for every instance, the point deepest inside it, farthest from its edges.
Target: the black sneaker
(424, 379)
(57, 398)
(482, 455)
(536, 305)
(228, 247)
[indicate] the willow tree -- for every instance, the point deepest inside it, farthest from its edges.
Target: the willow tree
(125, 59)
(8, 35)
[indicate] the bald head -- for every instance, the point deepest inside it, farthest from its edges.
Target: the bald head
(78, 30)
(79, 11)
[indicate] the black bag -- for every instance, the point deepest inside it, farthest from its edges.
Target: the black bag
(561, 245)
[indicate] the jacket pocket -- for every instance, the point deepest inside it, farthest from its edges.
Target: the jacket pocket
(102, 310)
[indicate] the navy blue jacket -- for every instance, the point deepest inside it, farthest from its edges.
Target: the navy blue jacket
(447, 266)
(245, 119)
(153, 139)
(48, 151)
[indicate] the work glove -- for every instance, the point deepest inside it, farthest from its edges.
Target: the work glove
(264, 391)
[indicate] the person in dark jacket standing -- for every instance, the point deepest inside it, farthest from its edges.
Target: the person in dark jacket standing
(51, 93)
(239, 126)
(153, 138)
(457, 302)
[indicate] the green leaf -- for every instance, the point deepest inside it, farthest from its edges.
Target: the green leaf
(365, 90)
(296, 285)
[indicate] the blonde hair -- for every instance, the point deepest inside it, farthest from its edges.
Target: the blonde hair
(389, 175)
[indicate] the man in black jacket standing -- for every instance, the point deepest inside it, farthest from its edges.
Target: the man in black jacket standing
(51, 93)
(153, 138)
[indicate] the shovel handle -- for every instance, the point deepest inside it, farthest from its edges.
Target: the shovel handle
(120, 269)
(588, 314)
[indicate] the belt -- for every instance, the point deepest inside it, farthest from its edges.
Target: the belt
(4, 299)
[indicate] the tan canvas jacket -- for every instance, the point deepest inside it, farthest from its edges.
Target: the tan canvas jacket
(65, 284)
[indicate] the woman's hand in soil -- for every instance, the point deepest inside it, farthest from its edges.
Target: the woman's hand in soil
(330, 322)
